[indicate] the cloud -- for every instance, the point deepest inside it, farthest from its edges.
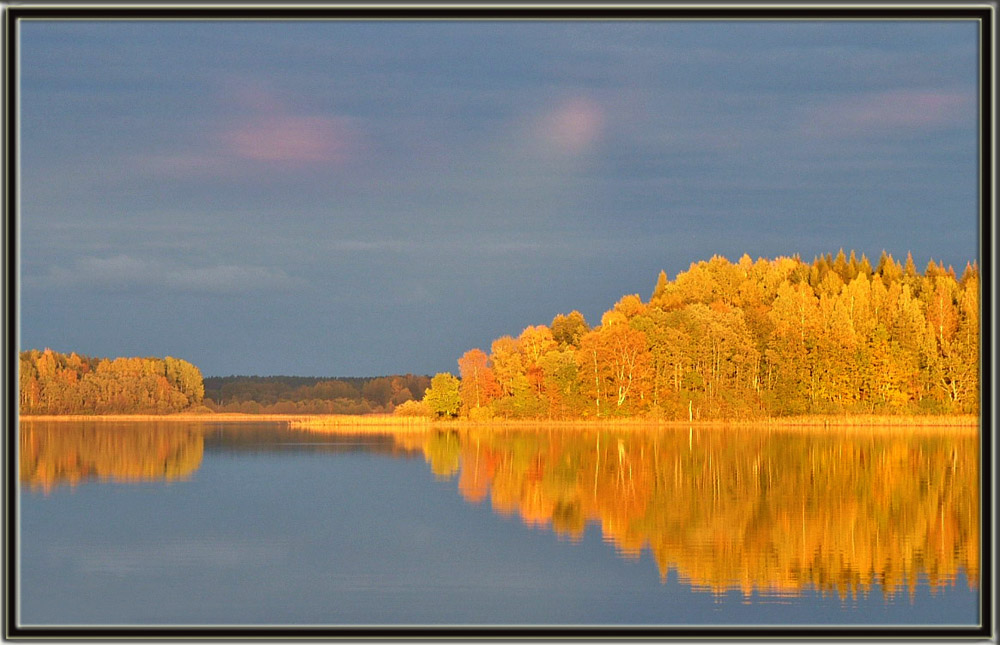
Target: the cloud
(289, 139)
(226, 278)
(898, 110)
(257, 131)
(127, 272)
(363, 246)
(572, 126)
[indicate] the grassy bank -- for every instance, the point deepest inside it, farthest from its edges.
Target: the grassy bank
(355, 424)
(238, 417)
(871, 420)
(376, 422)
(964, 424)
(367, 423)
(179, 417)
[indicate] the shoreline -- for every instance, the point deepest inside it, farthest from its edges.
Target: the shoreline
(232, 417)
(320, 421)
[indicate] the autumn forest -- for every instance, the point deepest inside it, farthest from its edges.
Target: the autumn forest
(722, 340)
(745, 340)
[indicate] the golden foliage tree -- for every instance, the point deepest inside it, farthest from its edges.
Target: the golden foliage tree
(479, 386)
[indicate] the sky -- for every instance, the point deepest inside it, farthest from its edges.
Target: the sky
(371, 198)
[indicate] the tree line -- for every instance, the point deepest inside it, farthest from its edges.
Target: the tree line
(741, 340)
(56, 383)
(308, 395)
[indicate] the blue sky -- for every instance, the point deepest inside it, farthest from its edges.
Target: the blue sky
(366, 198)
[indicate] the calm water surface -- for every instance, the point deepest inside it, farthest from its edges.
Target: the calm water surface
(241, 524)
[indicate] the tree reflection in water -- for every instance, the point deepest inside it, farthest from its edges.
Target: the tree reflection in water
(54, 454)
(771, 512)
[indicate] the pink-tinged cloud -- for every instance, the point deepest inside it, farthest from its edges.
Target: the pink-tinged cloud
(573, 126)
(895, 110)
(257, 128)
(291, 139)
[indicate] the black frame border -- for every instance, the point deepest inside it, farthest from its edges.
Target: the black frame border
(983, 12)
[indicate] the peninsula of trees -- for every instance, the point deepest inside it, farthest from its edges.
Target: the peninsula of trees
(741, 340)
(55, 383)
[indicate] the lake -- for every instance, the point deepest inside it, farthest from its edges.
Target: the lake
(170, 523)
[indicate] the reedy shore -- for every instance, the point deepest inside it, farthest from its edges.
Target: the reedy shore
(389, 424)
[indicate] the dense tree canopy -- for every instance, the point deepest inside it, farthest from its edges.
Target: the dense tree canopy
(55, 383)
(750, 339)
(310, 395)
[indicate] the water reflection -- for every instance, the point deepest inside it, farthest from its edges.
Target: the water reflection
(766, 512)
(762, 512)
(65, 453)
(54, 454)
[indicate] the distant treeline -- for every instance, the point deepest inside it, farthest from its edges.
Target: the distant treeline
(55, 383)
(742, 340)
(306, 395)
